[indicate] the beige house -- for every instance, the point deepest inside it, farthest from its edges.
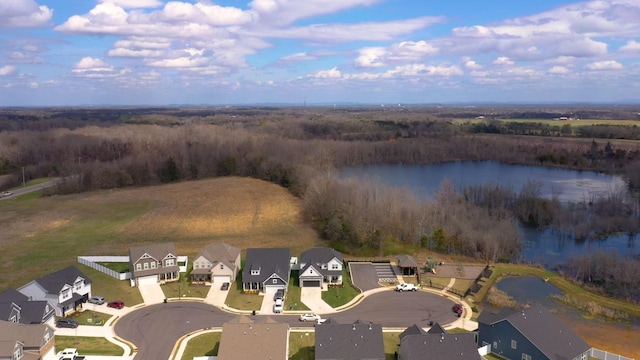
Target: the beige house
(153, 263)
(26, 341)
(216, 263)
(248, 340)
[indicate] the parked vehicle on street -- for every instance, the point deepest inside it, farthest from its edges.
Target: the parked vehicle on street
(277, 307)
(116, 304)
(67, 323)
(407, 287)
(98, 300)
(279, 295)
(458, 309)
(309, 317)
(5, 193)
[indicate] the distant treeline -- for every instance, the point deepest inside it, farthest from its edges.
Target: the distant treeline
(596, 131)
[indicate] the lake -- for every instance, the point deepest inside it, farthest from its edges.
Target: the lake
(543, 246)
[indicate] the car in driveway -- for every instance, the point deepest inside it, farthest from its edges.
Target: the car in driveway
(225, 286)
(277, 307)
(67, 323)
(116, 304)
(279, 295)
(98, 300)
(310, 317)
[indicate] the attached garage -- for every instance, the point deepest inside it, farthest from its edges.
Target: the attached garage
(147, 280)
(221, 279)
(311, 283)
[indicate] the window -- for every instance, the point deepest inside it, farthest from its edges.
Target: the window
(221, 266)
(47, 337)
(170, 262)
(154, 265)
(526, 357)
(495, 345)
(78, 285)
(335, 267)
(514, 344)
(66, 294)
(138, 266)
(323, 266)
(275, 281)
(146, 266)
(17, 354)
(255, 272)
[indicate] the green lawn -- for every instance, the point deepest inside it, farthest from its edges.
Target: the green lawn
(292, 299)
(121, 267)
(302, 345)
(202, 345)
(183, 288)
(90, 317)
(89, 345)
(338, 296)
(241, 301)
(111, 288)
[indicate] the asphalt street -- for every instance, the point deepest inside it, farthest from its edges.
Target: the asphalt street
(155, 329)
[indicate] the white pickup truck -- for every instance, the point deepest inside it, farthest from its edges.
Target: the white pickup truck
(69, 354)
(407, 287)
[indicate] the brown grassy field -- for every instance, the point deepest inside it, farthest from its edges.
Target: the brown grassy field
(43, 235)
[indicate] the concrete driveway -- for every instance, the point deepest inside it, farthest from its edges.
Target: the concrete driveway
(151, 293)
(312, 297)
(267, 302)
(215, 296)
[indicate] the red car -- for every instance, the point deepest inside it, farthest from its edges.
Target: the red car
(116, 304)
(458, 308)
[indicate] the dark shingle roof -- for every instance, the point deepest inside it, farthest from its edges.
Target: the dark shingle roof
(439, 347)
(349, 341)
(53, 283)
(413, 330)
(550, 335)
(317, 256)
(31, 312)
(437, 329)
(12, 295)
(406, 261)
(157, 251)
(269, 261)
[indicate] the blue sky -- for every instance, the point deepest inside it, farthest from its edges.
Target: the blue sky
(156, 52)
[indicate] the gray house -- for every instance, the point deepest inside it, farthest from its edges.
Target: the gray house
(66, 289)
(357, 341)
(528, 334)
(153, 263)
(320, 265)
(16, 307)
(437, 344)
(266, 269)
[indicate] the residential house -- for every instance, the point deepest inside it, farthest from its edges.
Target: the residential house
(320, 265)
(245, 339)
(66, 290)
(436, 344)
(153, 263)
(349, 341)
(16, 307)
(26, 341)
(528, 334)
(408, 265)
(218, 262)
(266, 269)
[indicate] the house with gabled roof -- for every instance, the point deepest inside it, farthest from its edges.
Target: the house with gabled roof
(349, 341)
(532, 333)
(320, 265)
(246, 339)
(66, 290)
(217, 262)
(437, 344)
(16, 307)
(266, 268)
(26, 341)
(153, 263)
(408, 265)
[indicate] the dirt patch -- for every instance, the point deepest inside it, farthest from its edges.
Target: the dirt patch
(469, 272)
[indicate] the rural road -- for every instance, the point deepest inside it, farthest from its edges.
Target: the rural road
(156, 329)
(29, 189)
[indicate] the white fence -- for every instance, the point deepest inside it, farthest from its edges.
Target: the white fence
(605, 355)
(485, 350)
(92, 262)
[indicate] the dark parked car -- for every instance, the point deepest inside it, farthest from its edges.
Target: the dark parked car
(458, 308)
(225, 286)
(67, 323)
(116, 304)
(279, 295)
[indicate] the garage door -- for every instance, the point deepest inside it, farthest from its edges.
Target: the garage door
(311, 283)
(222, 279)
(148, 280)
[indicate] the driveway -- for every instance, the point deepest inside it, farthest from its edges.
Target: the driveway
(312, 297)
(151, 293)
(364, 276)
(215, 296)
(267, 302)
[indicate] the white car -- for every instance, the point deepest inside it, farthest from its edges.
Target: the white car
(309, 317)
(5, 193)
(68, 354)
(406, 287)
(277, 307)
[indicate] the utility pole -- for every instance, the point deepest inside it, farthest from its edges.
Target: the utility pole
(23, 182)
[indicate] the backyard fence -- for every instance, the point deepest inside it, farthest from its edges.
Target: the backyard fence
(92, 262)
(605, 355)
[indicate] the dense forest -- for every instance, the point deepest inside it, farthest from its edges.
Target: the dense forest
(301, 148)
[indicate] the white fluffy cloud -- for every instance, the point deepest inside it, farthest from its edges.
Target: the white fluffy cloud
(133, 4)
(631, 46)
(558, 70)
(503, 60)
(23, 13)
(7, 70)
(604, 65)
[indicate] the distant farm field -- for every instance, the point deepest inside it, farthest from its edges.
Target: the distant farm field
(560, 123)
(43, 235)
